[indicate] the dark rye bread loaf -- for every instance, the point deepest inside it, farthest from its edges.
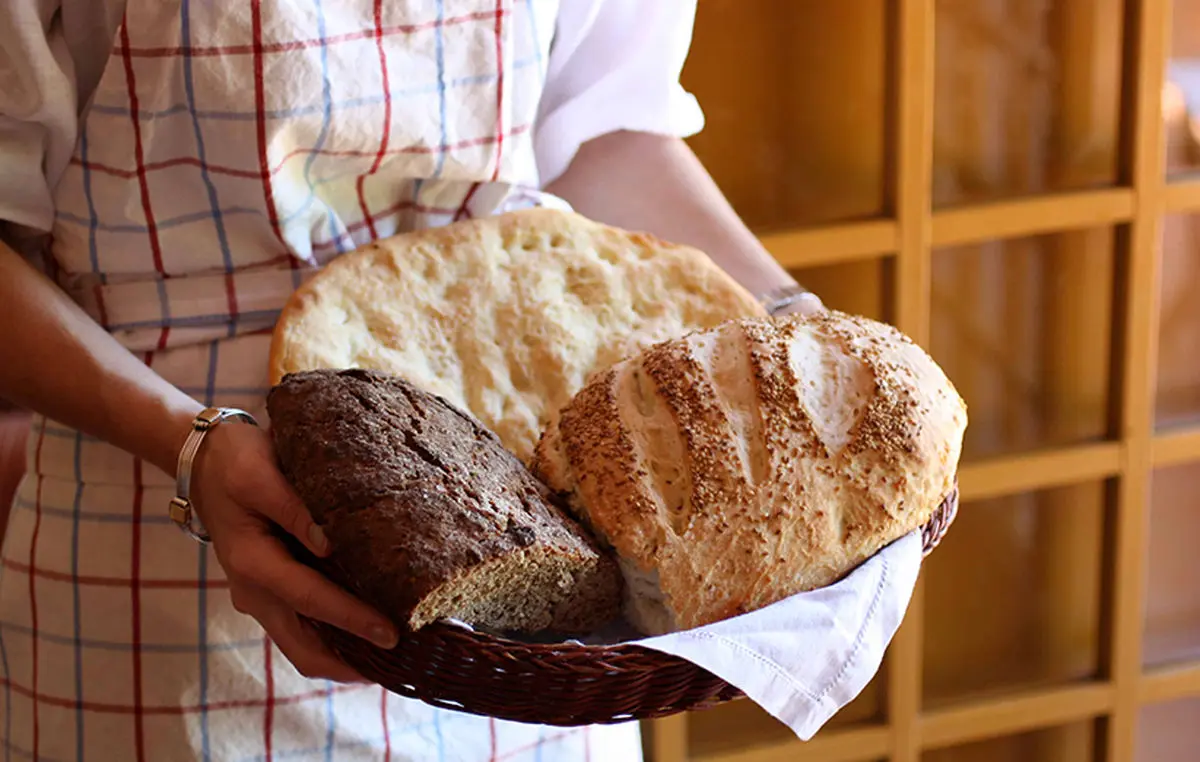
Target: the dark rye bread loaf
(427, 515)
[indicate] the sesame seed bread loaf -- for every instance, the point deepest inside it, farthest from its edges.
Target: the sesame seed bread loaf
(740, 465)
(428, 516)
(504, 317)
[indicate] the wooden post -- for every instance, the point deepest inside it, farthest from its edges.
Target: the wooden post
(911, 134)
(1142, 167)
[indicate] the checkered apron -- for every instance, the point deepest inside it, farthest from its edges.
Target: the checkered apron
(232, 149)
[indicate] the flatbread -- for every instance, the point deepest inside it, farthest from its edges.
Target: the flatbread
(505, 317)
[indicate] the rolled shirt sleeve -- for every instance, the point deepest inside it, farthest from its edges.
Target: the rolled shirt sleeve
(38, 110)
(614, 65)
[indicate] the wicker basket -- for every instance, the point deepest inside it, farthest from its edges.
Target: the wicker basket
(559, 684)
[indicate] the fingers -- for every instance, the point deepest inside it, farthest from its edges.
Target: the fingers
(803, 304)
(294, 639)
(242, 491)
(809, 304)
(262, 561)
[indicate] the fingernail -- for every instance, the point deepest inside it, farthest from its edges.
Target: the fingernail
(317, 539)
(384, 637)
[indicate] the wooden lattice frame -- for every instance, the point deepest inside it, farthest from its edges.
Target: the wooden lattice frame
(906, 239)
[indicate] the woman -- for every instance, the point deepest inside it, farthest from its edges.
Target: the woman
(14, 427)
(180, 165)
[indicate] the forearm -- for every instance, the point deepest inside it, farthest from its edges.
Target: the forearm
(57, 361)
(655, 183)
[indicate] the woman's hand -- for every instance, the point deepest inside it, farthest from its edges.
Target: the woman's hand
(806, 303)
(239, 494)
(56, 360)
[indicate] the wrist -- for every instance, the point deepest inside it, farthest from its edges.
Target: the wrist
(204, 428)
(167, 431)
(756, 269)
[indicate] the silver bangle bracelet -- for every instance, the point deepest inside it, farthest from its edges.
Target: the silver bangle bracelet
(180, 510)
(780, 299)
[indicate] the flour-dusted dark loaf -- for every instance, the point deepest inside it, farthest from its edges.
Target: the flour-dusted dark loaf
(427, 515)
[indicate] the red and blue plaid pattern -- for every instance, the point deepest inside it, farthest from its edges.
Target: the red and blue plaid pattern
(229, 150)
(209, 177)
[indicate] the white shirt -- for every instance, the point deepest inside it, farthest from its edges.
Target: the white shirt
(614, 65)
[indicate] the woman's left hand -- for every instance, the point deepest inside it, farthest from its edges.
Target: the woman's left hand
(807, 303)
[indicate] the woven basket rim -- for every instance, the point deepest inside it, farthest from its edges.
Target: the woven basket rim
(560, 683)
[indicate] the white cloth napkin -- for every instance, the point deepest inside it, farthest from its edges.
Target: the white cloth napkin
(806, 657)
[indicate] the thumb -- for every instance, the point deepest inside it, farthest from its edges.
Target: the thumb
(256, 484)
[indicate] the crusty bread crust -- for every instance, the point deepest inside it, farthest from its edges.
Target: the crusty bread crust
(756, 460)
(427, 515)
(505, 317)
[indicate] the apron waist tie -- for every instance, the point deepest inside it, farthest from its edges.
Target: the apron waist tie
(156, 313)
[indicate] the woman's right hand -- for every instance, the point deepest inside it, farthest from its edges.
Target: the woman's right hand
(57, 361)
(239, 494)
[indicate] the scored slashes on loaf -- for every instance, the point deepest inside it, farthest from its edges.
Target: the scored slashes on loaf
(763, 458)
(505, 317)
(428, 516)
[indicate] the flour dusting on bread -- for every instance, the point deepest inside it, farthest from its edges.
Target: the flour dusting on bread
(505, 317)
(762, 458)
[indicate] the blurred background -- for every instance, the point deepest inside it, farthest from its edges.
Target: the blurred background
(1009, 181)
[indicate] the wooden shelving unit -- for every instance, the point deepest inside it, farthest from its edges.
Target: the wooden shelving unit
(1085, 476)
